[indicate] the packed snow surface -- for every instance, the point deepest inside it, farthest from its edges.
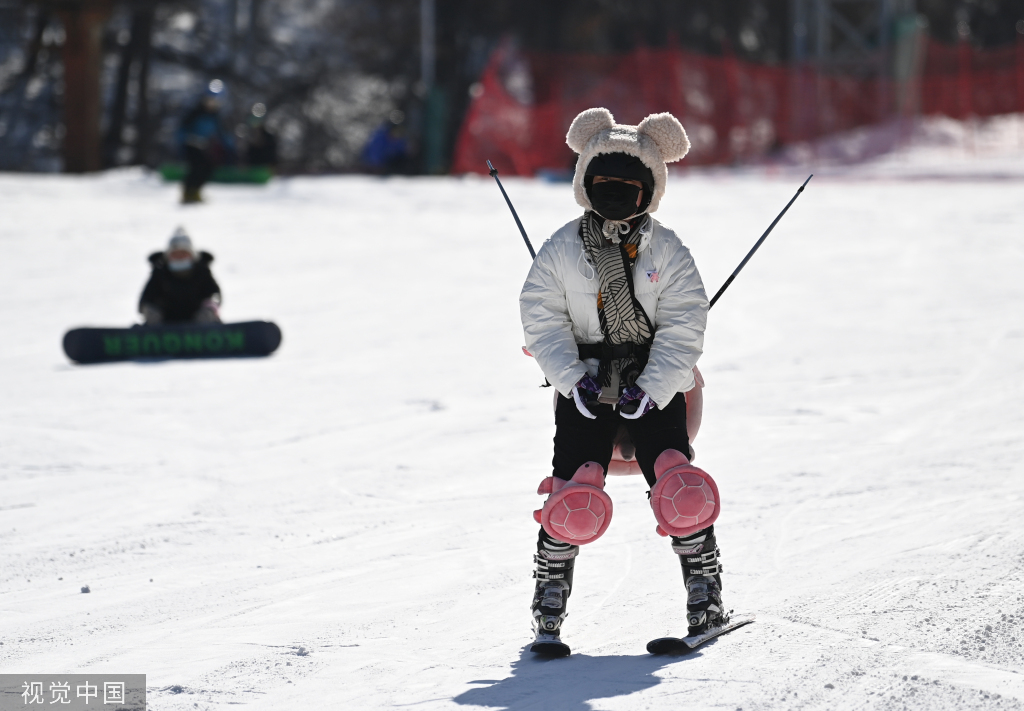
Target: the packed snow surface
(347, 524)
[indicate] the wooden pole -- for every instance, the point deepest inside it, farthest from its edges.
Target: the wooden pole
(83, 63)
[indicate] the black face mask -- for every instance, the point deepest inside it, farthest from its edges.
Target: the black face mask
(614, 200)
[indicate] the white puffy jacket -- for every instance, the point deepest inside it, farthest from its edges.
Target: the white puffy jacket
(559, 310)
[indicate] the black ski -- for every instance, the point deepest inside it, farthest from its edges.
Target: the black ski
(684, 645)
(550, 646)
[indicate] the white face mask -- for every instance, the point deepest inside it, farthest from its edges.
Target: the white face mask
(179, 265)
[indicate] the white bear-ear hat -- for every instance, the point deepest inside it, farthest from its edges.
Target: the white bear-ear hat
(657, 140)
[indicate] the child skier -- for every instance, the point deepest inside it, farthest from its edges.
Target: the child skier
(181, 288)
(614, 312)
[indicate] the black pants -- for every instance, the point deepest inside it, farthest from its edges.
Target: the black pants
(579, 440)
(200, 167)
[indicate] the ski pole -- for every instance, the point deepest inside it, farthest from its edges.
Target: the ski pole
(494, 174)
(754, 249)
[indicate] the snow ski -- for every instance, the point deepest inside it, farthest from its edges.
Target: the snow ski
(677, 645)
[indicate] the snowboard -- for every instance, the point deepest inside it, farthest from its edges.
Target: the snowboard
(217, 340)
(684, 645)
(255, 174)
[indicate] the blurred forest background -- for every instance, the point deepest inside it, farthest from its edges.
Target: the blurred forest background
(328, 74)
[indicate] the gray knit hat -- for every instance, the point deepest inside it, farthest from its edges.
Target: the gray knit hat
(180, 241)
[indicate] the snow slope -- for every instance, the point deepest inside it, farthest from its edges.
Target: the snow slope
(347, 524)
(928, 148)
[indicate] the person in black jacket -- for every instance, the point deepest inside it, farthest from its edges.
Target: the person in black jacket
(261, 148)
(181, 288)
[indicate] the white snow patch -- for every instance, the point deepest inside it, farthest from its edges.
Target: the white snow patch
(346, 524)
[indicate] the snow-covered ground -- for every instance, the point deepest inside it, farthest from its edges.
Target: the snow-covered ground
(929, 148)
(347, 524)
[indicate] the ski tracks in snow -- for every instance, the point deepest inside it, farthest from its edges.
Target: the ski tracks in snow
(347, 524)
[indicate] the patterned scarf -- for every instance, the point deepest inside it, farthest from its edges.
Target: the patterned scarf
(611, 248)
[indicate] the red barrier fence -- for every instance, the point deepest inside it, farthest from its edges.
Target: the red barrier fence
(732, 110)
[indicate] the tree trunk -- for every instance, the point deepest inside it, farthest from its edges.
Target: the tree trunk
(83, 63)
(144, 24)
(117, 112)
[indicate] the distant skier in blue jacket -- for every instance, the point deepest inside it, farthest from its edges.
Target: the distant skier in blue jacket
(387, 151)
(204, 141)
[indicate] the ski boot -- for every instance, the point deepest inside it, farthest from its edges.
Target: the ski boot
(554, 567)
(190, 196)
(702, 574)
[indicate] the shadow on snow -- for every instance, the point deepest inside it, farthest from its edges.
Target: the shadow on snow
(568, 684)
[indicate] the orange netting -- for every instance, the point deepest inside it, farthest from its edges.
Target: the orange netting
(732, 110)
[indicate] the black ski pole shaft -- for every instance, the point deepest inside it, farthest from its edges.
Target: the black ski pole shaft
(522, 230)
(763, 238)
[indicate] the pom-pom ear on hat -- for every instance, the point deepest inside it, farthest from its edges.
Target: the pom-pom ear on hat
(667, 133)
(587, 125)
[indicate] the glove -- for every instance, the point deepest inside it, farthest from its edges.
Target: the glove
(209, 312)
(635, 403)
(151, 315)
(585, 393)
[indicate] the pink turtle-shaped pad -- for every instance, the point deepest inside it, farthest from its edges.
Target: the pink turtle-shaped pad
(577, 511)
(684, 499)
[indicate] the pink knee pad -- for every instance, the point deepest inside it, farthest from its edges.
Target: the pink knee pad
(577, 511)
(685, 498)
